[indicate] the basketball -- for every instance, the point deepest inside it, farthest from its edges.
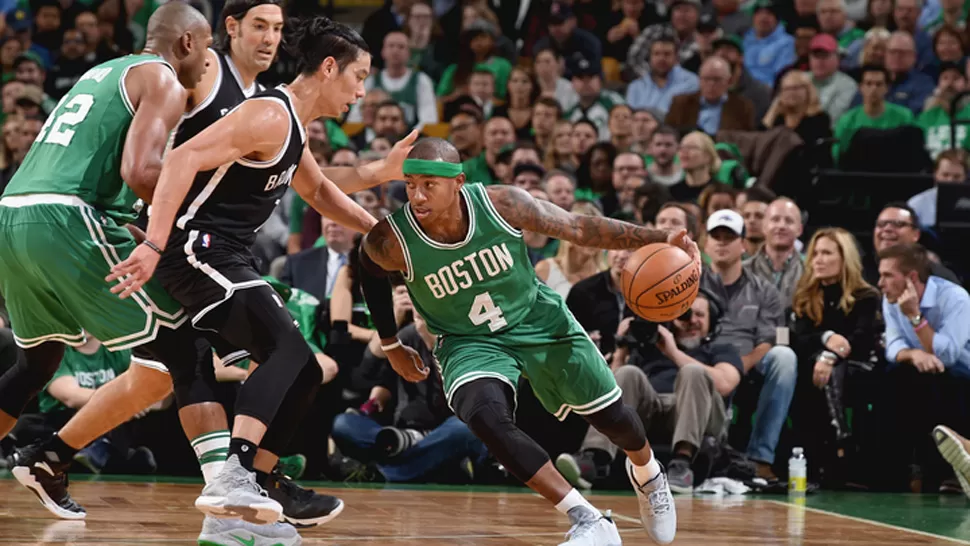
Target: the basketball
(660, 282)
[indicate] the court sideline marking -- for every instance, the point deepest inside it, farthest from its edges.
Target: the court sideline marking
(869, 521)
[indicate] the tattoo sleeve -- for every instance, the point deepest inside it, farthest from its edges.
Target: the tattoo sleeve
(523, 211)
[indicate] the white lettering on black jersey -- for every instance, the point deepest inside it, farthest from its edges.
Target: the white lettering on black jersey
(236, 199)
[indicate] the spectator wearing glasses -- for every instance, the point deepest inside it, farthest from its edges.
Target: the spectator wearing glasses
(906, 15)
(908, 86)
(950, 168)
(898, 223)
(713, 108)
(836, 90)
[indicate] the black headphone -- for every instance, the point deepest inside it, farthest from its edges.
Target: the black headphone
(714, 311)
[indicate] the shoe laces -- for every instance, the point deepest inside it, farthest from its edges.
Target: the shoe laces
(291, 489)
(656, 491)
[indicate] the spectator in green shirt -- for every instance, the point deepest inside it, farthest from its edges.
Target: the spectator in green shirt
(936, 116)
(874, 113)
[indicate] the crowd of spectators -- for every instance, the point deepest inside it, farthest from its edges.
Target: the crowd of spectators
(847, 334)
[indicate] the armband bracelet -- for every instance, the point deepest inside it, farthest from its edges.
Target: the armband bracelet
(152, 246)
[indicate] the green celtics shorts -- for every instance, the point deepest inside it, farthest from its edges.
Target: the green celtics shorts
(549, 348)
(53, 261)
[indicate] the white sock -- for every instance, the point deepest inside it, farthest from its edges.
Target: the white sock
(572, 500)
(212, 450)
(647, 472)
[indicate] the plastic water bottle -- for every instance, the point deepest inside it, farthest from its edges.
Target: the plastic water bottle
(797, 472)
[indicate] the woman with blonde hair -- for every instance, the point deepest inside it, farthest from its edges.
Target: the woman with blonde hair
(699, 159)
(797, 106)
(835, 321)
(873, 51)
(559, 155)
(572, 263)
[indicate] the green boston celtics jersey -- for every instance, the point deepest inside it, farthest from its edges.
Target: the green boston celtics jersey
(90, 371)
(78, 151)
(483, 284)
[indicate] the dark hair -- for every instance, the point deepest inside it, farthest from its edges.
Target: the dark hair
(903, 206)
(313, 39)
(955, 155)
(467, 62)
(549, 102)
(483, 70)
(663, 39)
(587, 121)
(666, 130)
(952, 31)
(688, 215)
(759, 194)
(584, 175)
(909, 257)
(390, 103)
(551, 48)
(36, 5)
(657, 196)
(237, 9)
(534, 94)
(866, 68)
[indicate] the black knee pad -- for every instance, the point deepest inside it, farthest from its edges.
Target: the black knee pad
(485, 405)
(21, 383)
(621, 425)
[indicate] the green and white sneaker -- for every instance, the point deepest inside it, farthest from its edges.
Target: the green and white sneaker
(235, 532)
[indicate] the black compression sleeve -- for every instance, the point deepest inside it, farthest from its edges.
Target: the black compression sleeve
(377, 294)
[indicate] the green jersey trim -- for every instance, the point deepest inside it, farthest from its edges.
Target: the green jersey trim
(409, 274)
(155, 317)
(445, 246)
(495, 214)
(124, 75)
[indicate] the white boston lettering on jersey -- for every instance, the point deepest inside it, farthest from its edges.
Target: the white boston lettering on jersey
(276, 181)
(96, 74)
(453, 277)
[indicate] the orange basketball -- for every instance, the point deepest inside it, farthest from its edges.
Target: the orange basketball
(660, 282)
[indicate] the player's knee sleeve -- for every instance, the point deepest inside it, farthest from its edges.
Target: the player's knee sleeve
(621, 425)
(485, 405)
(298, 400)
(188, 358)
(262, 395)
(21, 383)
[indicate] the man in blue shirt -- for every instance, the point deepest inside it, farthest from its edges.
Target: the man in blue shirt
(767, 47)
(927, 318)
(928, 351)
(665, 80)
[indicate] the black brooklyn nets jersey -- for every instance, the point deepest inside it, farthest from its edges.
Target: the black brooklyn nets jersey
(227, 93)
(236, 199)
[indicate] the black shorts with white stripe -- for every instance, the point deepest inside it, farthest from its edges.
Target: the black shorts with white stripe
(202, 271)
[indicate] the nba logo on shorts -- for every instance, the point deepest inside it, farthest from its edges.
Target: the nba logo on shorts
(206, 240)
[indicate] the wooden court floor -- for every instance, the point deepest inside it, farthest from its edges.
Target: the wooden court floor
(161, 513)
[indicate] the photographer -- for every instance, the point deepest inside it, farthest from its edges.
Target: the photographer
(678, 380)
(424, 439)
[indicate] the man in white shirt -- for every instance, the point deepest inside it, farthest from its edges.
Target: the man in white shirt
(414, 91)
(315, 270)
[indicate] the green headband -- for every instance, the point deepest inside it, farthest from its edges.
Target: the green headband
(432, 168)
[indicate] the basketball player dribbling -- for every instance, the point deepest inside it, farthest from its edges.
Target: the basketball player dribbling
(217, 189)
(467, 270)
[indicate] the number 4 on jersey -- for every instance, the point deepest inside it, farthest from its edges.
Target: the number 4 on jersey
(484, 310)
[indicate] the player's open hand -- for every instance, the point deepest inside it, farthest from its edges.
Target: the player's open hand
(394, 162)
(134, 272)
(681, 240)
(407, 363)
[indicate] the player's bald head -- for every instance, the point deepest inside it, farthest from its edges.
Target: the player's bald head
(435, 149)
(172, 21)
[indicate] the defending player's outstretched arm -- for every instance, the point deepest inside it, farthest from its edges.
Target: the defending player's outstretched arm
(159, 102)
(326, 198)
(523, 211)
(375, 173)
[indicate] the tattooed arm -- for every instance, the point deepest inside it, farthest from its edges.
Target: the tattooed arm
(381, 252)
(521, 210)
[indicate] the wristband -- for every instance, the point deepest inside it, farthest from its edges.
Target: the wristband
(827, 336)
(390, 347)
(922, 324)
(152, 246)
(829, 355)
